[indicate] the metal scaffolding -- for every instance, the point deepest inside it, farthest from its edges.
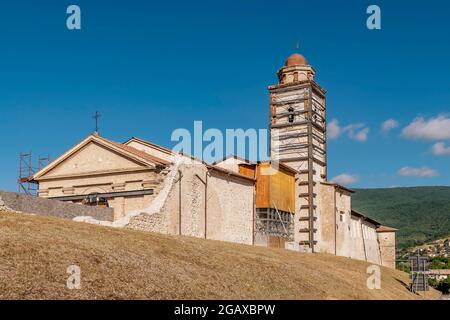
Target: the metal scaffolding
(25, 183)
(274, 222)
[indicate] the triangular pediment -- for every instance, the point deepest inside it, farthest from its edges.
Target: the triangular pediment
(91, 158)
(94, 155)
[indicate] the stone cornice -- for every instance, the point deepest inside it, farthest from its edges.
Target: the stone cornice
(277, 88)
(95, 173)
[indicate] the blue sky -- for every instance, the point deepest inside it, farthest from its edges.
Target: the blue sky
(176, 62)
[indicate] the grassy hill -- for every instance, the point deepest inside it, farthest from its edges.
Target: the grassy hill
(421, 213)
(35, 252)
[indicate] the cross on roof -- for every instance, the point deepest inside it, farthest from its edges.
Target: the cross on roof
(96, 117)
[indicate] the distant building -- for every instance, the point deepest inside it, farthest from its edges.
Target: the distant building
(439, 274)
(438, 248)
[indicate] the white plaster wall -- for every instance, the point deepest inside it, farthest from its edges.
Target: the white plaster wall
(326, 219)
(343, 217)
(230, 208)
(357, 244)
(371, 242)
(351, 236)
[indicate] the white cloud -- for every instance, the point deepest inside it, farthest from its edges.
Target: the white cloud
(423, 172)
(437, 128)
(357, 131)
(388, 125)
(345, 179)
(440, 149)
(333, 129)
(360, 136)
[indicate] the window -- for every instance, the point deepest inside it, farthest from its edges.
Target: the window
(291, 115)
(342, 216)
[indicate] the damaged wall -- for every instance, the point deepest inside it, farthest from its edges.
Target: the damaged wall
(228, 214)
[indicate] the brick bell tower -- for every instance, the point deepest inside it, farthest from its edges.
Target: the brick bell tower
(298, 139)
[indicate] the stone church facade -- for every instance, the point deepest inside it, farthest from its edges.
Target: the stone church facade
(154, 189)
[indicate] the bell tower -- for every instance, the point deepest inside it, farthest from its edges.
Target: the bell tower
(298, 139)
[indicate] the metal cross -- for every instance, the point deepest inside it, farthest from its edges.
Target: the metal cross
(96, 117)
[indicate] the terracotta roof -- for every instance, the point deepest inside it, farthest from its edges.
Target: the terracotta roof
(229, 172)
(163, 149)
(366, 218)
(386, 229)
(295, 59)
(444, 272)
(248, 162)
(338, 186)
(136, 152)
(234, 157)
(282, 166)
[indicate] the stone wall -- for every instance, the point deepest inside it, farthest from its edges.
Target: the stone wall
(358, 244)
(341, 232)
(228, 212)
(230, 208)
(326, 219)
(28, 204)
(182, 209)
(387, 248)
(372, 246)
(343, 218)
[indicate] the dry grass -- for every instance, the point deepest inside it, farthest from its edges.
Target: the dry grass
(35, 252)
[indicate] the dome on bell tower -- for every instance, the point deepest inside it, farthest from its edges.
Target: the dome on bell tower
(295, 69)
(295, 60)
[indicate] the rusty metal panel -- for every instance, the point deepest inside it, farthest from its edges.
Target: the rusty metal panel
(275, 191)
(282, 191)
(247, 170)
(262, 188)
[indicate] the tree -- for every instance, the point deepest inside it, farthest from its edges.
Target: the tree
(440, 263)
(433, 282)
(444, 286)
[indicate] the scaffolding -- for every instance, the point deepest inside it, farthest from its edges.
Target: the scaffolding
(25, 183)
(273, 222)
(43, 162)
(419, 273)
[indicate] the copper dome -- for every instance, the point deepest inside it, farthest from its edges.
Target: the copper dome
(295, 60)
